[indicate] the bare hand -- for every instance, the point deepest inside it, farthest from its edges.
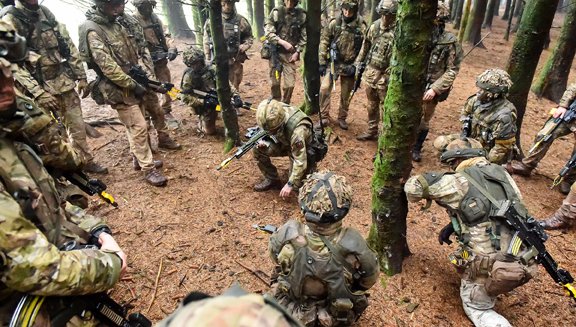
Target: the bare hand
(286, 191)
(243, 48)
(261, 145)
(286, 45)
(559, 112)
(294, 57)
(83, 88)
(47, 101)
(108, 243)
(429, 95)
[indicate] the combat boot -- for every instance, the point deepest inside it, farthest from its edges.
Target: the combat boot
(417, 150)
(343, 124)
(95, 168)
(518, 168)
(565, 216)
(166, 142)
(267, 184)
(136, 164)
(155, 178)
(367, 136)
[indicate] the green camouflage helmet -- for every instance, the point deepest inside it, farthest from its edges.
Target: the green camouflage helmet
(443, 12)
(193, 55)
(12, 46)
(112, 2)
(349, 4)
(463, 148)
(494, 80)
(325, 198)
(138, 3)
(387, 7)
(270, 115)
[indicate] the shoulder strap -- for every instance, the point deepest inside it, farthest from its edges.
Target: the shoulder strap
(481, 189)
(335, 250)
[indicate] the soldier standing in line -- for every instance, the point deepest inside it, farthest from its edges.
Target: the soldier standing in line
(34, 220)
(488, 117)
(375, 55)
(443, 67)
(238, 37)
(56, 70)
(339, 45)
(324, 269)
(285, 32)
(110, 43)
(160, 50)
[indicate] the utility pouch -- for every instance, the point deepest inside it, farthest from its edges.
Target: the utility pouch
(460, 258)
(341, 309)
(506, 276)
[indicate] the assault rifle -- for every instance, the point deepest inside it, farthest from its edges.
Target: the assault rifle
(237, 102)
(533, 236)
(275, 60)
(90, 186)
(104, 309)
(268, 229)
(547, 134)
(570, 164)
(139, 75)
(357, 79)
(255, 135)
(333, 55)
(466, 127)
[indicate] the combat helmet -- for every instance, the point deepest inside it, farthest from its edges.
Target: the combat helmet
(103, 2)
(138, 3)
(462, 148)
(387, 7)
(270, 115)
(325, 198)
(12, 46)
(443, 12)
(350, 4)
(193, 55)
(494, 80)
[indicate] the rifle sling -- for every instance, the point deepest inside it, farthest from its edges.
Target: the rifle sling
(334, 249)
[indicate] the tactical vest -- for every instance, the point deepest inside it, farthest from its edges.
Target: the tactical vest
(295, 118)
(438, 63)
(484, 119)
(348, 38)
(156, 27)
(28, 119)
(203, 81)
(381, 50)
(289, 27)
(231, 29)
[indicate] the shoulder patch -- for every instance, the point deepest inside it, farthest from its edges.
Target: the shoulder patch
(299, 144)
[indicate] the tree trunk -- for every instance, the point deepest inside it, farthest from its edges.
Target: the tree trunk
(269, 6)
(458, 14)
(174, 14)
(490, 14)
(554, 77)
(311, 73)
(401, 118)
(519, 6)
(519, 20)
(510, 17)
(497, 8)
(507, 10)
(199, 18)
(259, 17)
(526, 51)
(465, 20)
(374, 14)
(250, 9)
(474, 27)
(222, 83)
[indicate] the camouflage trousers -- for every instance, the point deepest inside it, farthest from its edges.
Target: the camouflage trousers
(428, 109)
(71, 114)
(236, 74)
(376, 99)
(287, 75)
(263, 155)
(346, 86)
(563, 129)
(132, 116)
(162, 73)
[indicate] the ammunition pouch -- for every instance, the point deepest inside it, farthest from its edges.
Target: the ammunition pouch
(341, 309)
(506, 276)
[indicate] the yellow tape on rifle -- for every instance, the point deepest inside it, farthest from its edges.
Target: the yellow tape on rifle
(570, 290)
(109, 197)
(218, 108)
(173, 93)
(32, 310)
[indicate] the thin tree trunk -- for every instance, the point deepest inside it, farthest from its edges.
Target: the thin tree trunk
(374, 14)
(497, 8)
(554, 77)
(250, 9)
(269, 6)
(222, 83)
(198, 17)
(507, 10)
(311, 73)
(465, 20)
(526, 52)
(510, 17)
(519, 20)
(458, 15)
(259, 17)
(401, 118)
(474, 27)
(489, 14)
(174, 14)
(519, 7)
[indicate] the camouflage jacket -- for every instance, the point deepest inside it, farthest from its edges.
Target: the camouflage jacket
(494, 125)
(347, 37)
(34, 222)
(237, 34)
(444, 62)
(57, 66)
(156, 40)
(111, 48)
(568, 96)
(288, 25)
(32, 126)
(377, 46)
(204, 80)
(297, 140)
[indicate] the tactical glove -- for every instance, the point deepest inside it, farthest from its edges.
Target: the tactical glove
(172, 54)
(322, 70)
(47, 101)
(237, 101)
(139, 90)
(444, 235)
(348, 70)
(210, 103)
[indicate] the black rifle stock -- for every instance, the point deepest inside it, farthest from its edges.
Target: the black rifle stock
(466, 127)
(139, 75)
(212, 94)
(333, 58)
(90, 186)
(570, 164)
(357, 80)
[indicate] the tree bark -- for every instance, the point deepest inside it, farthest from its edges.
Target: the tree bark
(176, 20)
(458, 14)
(526, 51)
(311, 73)
(250, 8)
(510, 17)
(554, 76)
(489, 16)
(473, 33)
(465, 20)
(222, 83)
(497, 8)
(259, 17)
(401, 118)
(374, 14)
(199, 18)
(518, 9)
(507, 9)
(519, 20)
(269, 6)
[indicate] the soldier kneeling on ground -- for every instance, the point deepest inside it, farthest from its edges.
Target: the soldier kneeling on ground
(325, 270)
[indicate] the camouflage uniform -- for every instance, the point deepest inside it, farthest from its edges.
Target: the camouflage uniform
(292, 139)
(111, 48)
(159, 48)
(56, 69)
(238, 37)
(290, 26)
(488, 266)
(347, 37)
(324, 269)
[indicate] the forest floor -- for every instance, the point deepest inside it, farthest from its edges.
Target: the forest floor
(196, 234)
